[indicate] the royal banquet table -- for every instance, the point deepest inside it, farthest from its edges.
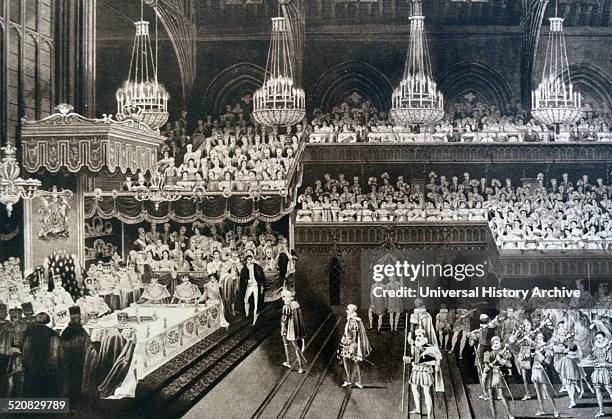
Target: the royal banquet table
(164, 332)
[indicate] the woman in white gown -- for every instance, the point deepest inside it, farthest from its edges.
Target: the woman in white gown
(212, 293)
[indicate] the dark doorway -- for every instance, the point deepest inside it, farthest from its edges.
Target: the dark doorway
(335, 268)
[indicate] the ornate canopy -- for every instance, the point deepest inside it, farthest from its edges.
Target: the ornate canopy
(210, 208)
(66, 140)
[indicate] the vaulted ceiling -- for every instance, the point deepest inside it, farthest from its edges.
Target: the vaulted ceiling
(232, 17)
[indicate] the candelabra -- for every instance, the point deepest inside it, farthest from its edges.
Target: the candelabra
(141, 96)
(417, 100)
(12, 187)
(279, 102)
(157, 192)
(555, 102)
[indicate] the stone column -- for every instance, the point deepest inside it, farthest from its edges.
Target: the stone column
(28, 261)
(75, 54)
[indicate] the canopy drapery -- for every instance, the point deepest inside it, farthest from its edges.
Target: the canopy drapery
(208, 209)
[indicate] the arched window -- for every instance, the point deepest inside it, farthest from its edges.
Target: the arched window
(27, 52)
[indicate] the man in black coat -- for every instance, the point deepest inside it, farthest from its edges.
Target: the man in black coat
(252, 281)
(76, 344)
(41, 360)
(286, 264)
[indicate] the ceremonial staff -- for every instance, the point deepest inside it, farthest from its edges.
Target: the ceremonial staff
(491, 365)
(549, 382)
(545, 323)
(404, 373)
(463, 316)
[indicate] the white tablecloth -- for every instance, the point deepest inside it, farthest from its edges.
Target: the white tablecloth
(176, 329)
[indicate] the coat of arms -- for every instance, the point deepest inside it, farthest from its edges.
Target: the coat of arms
(54, 214)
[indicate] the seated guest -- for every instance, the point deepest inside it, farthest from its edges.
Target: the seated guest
(530, 136)
(141, 241)
(136, 281)
(59, 294)
(92, 305)
(107, 287)
(124, 286)
(165, 263)
(155, 293)
(186, 292)
(198, 264)
(574, 134)
(590, 135)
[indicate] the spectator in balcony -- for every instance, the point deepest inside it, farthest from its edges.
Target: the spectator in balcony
(574, 134)
(590, 135)
(530, 135)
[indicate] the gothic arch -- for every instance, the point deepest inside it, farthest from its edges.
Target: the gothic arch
(350, 77)
(231, 84)
(593, 83)
(471, 76)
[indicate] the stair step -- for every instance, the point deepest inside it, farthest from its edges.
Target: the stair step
(449, 397)
(182, 362)
(210, 354)
(463, 405)
(205, 381)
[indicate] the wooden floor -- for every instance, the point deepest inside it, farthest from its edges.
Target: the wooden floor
(269, 390)
(585, 408)
(238, 374)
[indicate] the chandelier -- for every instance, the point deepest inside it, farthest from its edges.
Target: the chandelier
(279, 102)
(555, 102)
(157, 192)
(12, 187)
(417, 101)
(141, 96)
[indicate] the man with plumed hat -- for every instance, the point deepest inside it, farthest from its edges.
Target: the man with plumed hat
(354, 346)
(293, 330)
(75, 346)
(425, 361)
(41, 359)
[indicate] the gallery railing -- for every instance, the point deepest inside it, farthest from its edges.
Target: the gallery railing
(401, 136)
